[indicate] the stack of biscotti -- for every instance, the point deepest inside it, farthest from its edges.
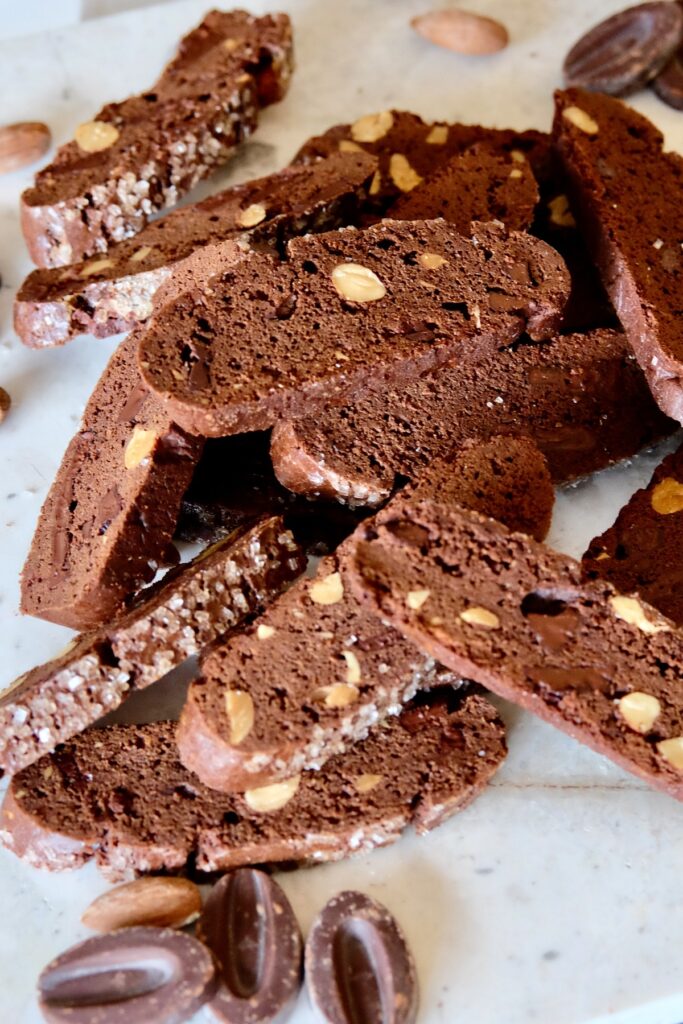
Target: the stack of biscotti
(310, 685)
(403, 315)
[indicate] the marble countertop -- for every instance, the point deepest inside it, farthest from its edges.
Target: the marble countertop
(554, 899)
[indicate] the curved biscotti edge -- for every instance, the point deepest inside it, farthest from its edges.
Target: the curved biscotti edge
(40, 847)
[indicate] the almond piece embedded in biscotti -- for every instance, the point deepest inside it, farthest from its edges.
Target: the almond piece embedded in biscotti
(462, 31)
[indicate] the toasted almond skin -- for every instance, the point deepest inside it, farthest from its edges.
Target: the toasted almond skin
(163, 902)
(22, 143)
(462, 31)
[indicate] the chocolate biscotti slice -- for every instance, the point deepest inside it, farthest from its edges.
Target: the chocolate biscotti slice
(143, 154)
(627, 193)
(314, 672)
(411, 150)
(643, 550)
(187, 610)
(284, 338)
(499, 608)
(480, 184)
(115, 292)
(582, 398)
(146, 812)
(107, 523)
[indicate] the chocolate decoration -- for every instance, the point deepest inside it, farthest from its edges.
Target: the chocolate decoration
(250, 927)
(669, 82)
(582, 679)
(359, 969)
(627, 50)
(131, 976)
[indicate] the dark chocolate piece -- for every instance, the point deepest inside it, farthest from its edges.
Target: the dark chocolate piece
(171, 621)
(115, 292)
(359, 968)
(121, 795)
(582, 398)
(516, 617)
(669, 82)
(627, 50)
(250, 927)
(625, 192)
(313, 673)
(340, 314)
(131, 976)
(643, 550)
(143, 154)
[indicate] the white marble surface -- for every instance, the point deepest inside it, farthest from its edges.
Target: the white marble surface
(555, 899)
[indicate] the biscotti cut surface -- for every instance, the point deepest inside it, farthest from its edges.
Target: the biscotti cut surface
(104, 295)
(108, 520)
(628, 197)
(410, 150)
(145, 153)
(267, 339)
(478, 185)
(643, 550)
(315, 672)
(190, 608)
(581, 397)
(515, 616)
(146, 812)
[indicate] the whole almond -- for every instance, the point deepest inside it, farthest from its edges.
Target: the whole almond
(162, 902)
(22, 143)
(462, 31)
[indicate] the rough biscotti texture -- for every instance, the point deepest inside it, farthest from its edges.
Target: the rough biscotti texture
(627, 196)
(190, 608)
(478, 185)
(411, 150)
(113, 293)
(314, 672)
(143, 154)
(643, 550)
(515, 616)
(108, 520)
(503, 477)
(148, 813)
(341, 313)
(581, 397)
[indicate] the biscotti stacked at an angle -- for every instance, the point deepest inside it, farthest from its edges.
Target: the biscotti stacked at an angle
(341, 312)
(410, 150)
(115, 292)
(501, 609)
(190, 608)
(234, 483)
(642, 551)
(626, 194)
(143, 154)
(312, 674)
(582, 398)
(148, 813)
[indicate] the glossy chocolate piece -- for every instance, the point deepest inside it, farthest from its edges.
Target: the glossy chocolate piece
(669, 82)
(132, 976)
(250, 927)
(625, 51)
(359, 969)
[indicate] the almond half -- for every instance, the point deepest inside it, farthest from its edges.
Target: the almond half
(462, 31)
(22, 143)
(162, 902)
